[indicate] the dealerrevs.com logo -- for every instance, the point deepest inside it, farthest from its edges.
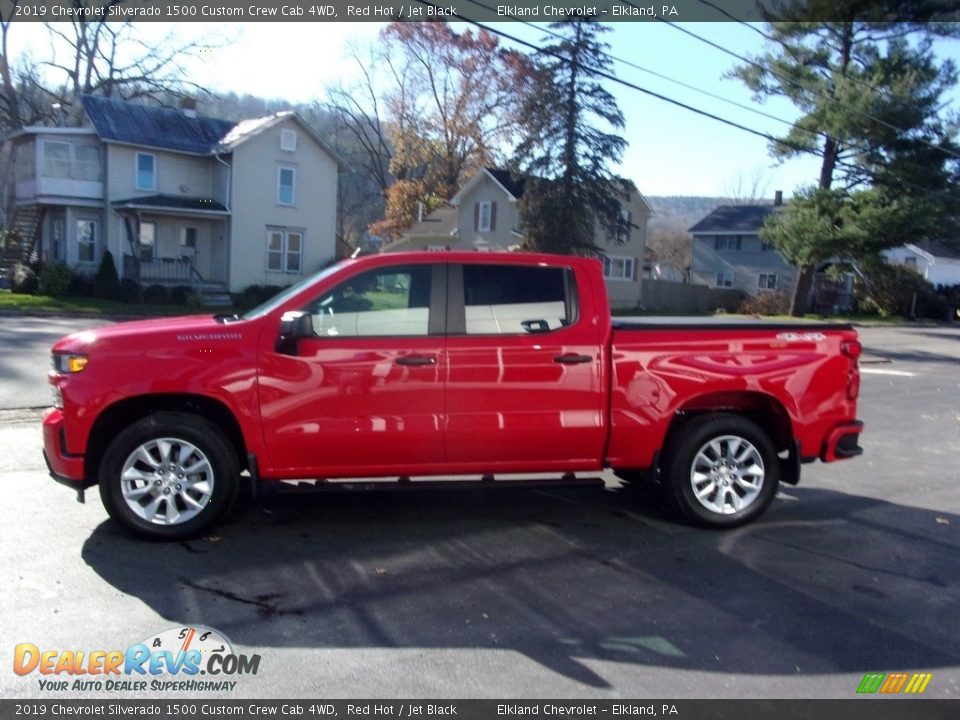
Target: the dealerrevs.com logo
(190, 659)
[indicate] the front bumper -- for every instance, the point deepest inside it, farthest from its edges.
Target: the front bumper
(841, 443)
(63, 466)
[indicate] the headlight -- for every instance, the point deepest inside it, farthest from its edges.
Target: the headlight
(69, 364)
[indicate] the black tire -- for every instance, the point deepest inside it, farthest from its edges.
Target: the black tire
(725, 482)
(183, 504)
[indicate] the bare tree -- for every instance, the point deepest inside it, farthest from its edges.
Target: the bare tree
(671, 245)
(358, 111)
(92, 56)
(743, 189)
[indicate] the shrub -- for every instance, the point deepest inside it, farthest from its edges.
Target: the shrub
(195, 300)
(25, 280)
(179, 294)
(897, 290)
(82, 286)
(766, 303)
(155, 294)
(108, 283)
(55, 279)
(129, 291)
(253, 295)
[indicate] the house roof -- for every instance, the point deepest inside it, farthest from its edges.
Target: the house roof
(745, 219)
(172, 129)
(170, 202)
(503, 178)
(936, 248)
(440, 225)
(508, 181)
(157, 127)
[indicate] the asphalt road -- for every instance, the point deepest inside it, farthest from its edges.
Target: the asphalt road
(532, 593)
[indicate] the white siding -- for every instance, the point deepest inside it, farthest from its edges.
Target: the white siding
(255, 208)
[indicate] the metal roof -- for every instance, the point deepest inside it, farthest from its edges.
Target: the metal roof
(170, 202)
(158, 127)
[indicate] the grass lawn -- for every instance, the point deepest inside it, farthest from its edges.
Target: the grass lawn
(13, 302)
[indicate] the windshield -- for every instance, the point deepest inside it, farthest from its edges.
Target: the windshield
(278, 300)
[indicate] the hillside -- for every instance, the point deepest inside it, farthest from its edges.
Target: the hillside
(677, 212)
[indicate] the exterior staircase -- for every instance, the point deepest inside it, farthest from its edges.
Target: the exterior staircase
(22, 239)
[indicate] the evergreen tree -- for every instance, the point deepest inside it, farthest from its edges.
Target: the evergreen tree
(570, 191)
(869, 95)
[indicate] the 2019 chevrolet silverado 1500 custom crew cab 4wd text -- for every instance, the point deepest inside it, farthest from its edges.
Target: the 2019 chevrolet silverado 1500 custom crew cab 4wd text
(444, 364)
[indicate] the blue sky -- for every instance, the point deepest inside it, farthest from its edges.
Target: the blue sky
(671, 151)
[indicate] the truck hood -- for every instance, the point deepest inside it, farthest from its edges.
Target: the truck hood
(166, 330)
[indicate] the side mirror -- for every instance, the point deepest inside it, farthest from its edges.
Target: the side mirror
(293, 325)
(296, 324)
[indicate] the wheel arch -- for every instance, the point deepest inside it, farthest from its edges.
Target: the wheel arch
(764, 410)
(124, 413)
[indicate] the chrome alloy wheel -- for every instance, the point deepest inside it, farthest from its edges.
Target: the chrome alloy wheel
(167, 481)
(727, 474)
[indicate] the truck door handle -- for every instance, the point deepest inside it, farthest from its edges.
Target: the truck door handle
(416, 360)
(572, 359)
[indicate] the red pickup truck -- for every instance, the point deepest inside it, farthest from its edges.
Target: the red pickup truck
(451, 365)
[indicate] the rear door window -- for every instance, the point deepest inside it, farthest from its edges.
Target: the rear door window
(517, 299)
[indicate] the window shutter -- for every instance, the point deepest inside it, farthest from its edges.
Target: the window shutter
(493, 216)
(476, 216)
(635, 271)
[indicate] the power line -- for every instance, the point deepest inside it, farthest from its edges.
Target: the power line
(659, 96)
(633, 65)
(795, 84)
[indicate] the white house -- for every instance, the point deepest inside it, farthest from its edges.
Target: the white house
(177, 198)
(484, 216)
(936, 261)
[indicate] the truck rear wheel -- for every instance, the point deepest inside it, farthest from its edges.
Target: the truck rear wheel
(168, 476)
(722, 471)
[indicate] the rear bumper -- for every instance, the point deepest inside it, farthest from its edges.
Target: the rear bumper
(64, 467)
(842, 442)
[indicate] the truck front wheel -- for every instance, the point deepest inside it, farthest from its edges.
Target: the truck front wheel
(168, 476)
(722, 471)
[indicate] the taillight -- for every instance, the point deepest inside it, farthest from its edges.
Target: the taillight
(851, 348)
(853, 385)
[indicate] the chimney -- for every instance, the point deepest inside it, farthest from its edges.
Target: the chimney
(778, 198)
(189, 106)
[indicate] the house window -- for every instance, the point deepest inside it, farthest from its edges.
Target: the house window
(626, 226)
(58, 229)
(284, 250)
(286, 186)
(87, 240)
(619, 268)
(56, 159)
(288, 140)
(146, 171)
(724, 280)
(148, 242)
(910, 261)
(484, 220)
(766, 247)
(86, 162)
(727, 242)
(188, 238)
(768, 281)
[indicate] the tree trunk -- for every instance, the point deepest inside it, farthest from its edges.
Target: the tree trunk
(801, 292)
